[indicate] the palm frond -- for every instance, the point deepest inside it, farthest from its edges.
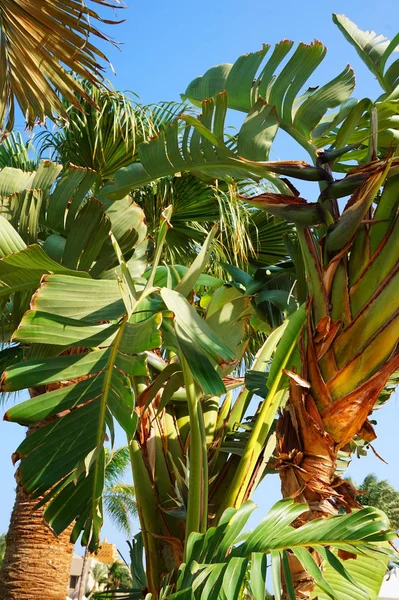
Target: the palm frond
(120, 505)
(117, 461)
(39, 42)
(102, 132)
(19, 154)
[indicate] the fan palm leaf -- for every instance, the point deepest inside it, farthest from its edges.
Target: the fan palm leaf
(39, 42)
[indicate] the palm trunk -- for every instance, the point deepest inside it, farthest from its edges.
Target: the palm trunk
(37, 562)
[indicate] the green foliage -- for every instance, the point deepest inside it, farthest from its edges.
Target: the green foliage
(382, 495)
(111, 334)
(107, 140)
(119, 497)
(272, 100)
(103, 131)
(217, 561)
(16, 153)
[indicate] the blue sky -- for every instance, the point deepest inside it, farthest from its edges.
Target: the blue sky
(164, 45)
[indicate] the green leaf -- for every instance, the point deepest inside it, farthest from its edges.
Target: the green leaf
(228, 313)
(195, 329)
(203, 151)
(258, 575)
(67, 197)
(198, 342)
(81, 298)
(32, 373)
(363, 532)
(233, 576)
(62, 449)
(86, 237)
(44, 328)
(289, 587)
(368, 571)
(29, 215)
(190, 278)
(250, 81)
(14, 180)
(258, 132)
(372, 48)
(24, 270)
(10, 240)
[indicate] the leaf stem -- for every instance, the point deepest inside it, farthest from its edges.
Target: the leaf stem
(198, 478)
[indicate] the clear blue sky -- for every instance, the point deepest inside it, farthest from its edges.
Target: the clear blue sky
(164, 46)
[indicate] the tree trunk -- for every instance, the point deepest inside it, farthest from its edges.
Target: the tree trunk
(37, 562)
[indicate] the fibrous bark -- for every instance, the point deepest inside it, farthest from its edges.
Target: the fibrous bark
(37, 562)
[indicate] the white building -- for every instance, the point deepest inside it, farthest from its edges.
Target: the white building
(390, 587)
(107, 554)
(76, 574)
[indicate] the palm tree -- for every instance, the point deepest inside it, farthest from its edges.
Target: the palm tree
(119, 497)
(118, 577)
(115, 577)
(34, 554)
(99, 573)
(381, 494)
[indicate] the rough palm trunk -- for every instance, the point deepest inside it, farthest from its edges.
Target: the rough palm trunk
(37, 562)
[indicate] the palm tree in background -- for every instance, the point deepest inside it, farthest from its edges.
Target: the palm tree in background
(99, 574)
(119, 496)
(120, 505)
(380, 494)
